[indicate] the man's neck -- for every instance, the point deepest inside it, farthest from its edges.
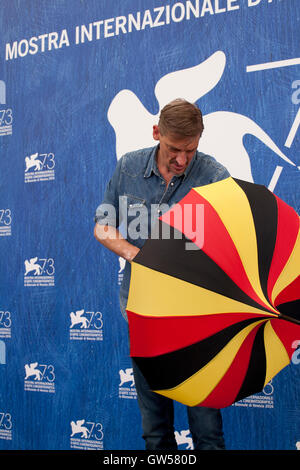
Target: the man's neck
(163, 170)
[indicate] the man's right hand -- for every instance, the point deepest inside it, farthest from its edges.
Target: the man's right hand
(112, 239)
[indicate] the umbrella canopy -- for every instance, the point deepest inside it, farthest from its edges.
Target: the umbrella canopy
(213, 325)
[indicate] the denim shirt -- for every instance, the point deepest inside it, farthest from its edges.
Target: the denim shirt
(138, 193)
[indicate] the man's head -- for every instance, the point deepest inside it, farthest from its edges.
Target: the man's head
(181, 118)
(178, 131)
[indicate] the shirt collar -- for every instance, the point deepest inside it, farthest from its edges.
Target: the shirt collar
(152, 165)
(189, 168)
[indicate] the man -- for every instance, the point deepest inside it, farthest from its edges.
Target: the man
(159, 177)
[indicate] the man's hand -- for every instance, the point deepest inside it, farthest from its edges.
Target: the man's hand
(112, 239)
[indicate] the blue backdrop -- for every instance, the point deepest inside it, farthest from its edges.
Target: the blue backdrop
(81, 82)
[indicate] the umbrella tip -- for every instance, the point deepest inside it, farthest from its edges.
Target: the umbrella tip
(288, 318)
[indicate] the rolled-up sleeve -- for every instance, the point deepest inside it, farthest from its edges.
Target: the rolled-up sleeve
(107, 213)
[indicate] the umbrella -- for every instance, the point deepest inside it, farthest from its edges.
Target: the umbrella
(212, 325)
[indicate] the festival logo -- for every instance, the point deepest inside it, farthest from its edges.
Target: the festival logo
(86, 435)
(39, 167)
(6, 426)
(39, 377)
(5, 222)
(183, 438)
(5, 324)
(86, 325)
(126, 385)
(122, 263)
(39, 272)
(264, 399)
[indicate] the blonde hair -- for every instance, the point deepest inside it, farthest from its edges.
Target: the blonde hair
(180, 117)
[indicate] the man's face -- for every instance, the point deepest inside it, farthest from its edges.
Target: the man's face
(175, 152)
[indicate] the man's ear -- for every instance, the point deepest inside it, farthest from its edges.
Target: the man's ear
(156, 133)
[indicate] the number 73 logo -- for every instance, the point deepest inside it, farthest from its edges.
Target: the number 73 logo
(45, 268)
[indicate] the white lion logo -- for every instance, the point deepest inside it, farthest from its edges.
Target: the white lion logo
(122, 263)
(79, 428)
(32, 371)
(77, 318)
(223, 131)
(32, 266)
(32, 162)
(182, 438)
(126, 376)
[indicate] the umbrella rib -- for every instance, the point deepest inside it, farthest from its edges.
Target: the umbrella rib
(281, 316)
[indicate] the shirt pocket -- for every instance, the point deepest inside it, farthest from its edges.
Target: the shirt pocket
(136, 217)
(134, 201)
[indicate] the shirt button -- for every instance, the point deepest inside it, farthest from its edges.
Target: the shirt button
(172, 184)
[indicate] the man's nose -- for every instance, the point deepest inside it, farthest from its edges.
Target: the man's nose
(181, 158)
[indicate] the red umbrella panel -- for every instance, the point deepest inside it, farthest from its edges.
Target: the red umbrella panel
(212, 325)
